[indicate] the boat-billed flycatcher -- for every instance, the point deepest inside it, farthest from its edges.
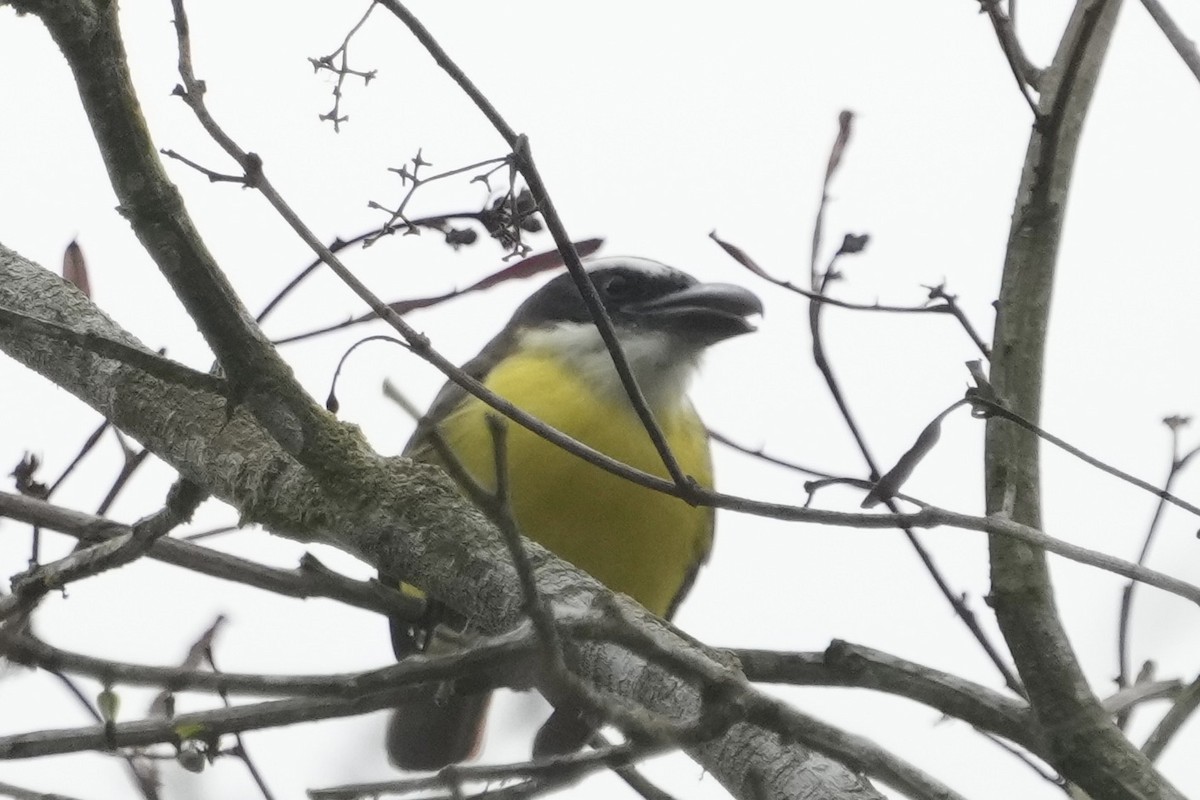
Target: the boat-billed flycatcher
(550, 361)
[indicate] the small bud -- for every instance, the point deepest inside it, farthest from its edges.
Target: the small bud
(109, 703)
(854, 243)
(457, 237)
(191, 756)
(75, 269)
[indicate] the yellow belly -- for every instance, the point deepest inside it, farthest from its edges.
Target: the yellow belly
(634, 540)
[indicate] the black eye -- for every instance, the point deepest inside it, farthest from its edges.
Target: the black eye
(616, 287)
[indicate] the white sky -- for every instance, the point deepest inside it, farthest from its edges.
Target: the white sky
(653, 124)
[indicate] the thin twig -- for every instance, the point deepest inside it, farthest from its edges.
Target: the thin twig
(853, 665)
(182, 500)
(151, 363)
(128, 467)
(502, 514)
(342, 70)
(1126, 613)
(1003, 412)
(90, 443)
(18, 793)
(523, 160)
(416, 181)
(1185, 705)
(1027, 75)
(1184, 46)
(193, 95)
(759, 453)
(948, 305)
(240, 750)
(554, 771)
(492, 655)
(1142, 691)
(301, 583)
(820, 283)
(1042, 772)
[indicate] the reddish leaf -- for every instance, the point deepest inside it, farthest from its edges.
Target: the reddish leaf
(405, 306)
(890, 484)
(25, 481)
(528, 267)
(853, 243)
(739, 255)
(75, 269)
(845, 126)
(525, 268)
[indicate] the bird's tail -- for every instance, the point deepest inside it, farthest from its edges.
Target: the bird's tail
(565, 732)
(446, 727)
(434, 732)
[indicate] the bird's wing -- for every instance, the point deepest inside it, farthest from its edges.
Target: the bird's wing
(704, 541)
(451, 396)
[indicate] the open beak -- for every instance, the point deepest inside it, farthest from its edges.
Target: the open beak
(707, 312)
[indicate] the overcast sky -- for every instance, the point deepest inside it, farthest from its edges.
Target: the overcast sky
(653, 124)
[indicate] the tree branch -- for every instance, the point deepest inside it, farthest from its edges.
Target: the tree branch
(309, 580)
(1084, 744)
(1184, 46)
(847, 664)
(407, 519)
(1185, 706)
(90, 40)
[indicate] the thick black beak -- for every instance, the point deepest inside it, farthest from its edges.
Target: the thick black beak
(707, 312)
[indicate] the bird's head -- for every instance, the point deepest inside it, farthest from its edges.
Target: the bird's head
(663, 318)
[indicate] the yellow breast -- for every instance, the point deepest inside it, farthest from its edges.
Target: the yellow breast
(634, 540)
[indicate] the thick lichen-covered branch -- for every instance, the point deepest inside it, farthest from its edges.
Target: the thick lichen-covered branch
(408, 519)
(89, 37)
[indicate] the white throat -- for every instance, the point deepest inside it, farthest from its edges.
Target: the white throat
(661, 364)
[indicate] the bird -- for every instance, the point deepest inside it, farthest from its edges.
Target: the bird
(550, 361)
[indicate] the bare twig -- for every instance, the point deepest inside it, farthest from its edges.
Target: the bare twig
(133, 460)
(302, 582)
(204, 724)
(92, 45)
(415, 181)
(150, 363)
(547, 772)
(1184, 46)
(19, 793)
(239, 750)
(1177, 464)
(523, 161)
(820, 283)
(952, 307)
(498, 656)
(117, 551)
(1142, 692)
(527, 267)
(948, 302)
(193, 94)
(86, 448)
(759, 453)
(1048, 775)
(342, 70)
(1028, 76)
(847, 664)
(501, 512)
(1003, 412)
(1185, 705)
